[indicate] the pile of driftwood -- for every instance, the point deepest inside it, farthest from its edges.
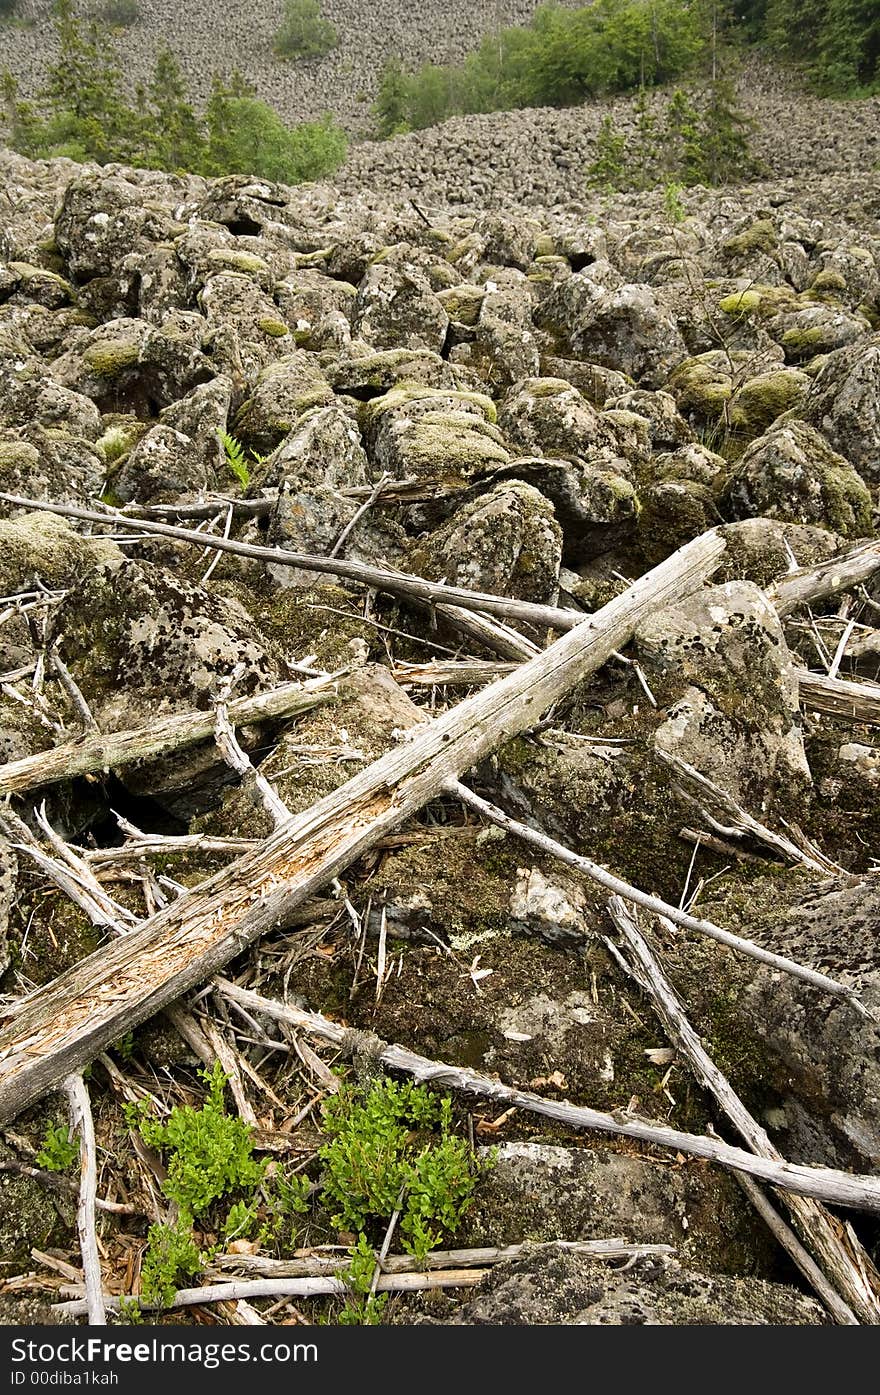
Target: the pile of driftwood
(49, 1036)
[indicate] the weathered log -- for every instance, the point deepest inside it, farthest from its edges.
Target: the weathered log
(160, 737)
(839, 697)
(58, 1029)
(829, 578)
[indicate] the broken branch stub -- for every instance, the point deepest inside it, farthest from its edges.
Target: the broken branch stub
(60, 1028)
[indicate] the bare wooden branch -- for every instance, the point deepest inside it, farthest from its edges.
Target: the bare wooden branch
(236, 758)
(380, 578)
(829, 578)
(649, 902)
(59, 1183)
(743, 823)
(57, 1029)
(312, 1264)
(839, 1282)
(81, 1121)
(825, 1183)
(323, 1287)
(160, 737)
(839, 697)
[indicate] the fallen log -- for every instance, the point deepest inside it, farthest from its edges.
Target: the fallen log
(828, 578)
(839, 697)
(159, 738)
(58, 1029)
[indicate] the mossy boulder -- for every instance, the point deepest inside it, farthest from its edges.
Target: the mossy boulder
(463, 303)
(844, 403)
(791, 473)
(365, 373)
(547, 416)
(283, 392)
(43, 546)
(763, 398)
(758, 236)
(506, 542)
(397, 309)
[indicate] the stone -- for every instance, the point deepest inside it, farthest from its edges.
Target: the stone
(792, 473)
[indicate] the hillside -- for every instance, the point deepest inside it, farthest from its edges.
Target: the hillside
(208, 35)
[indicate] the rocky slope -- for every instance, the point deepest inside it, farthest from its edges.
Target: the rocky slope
(220, 36)
(552, 401)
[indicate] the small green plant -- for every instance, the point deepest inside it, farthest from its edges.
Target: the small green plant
(234, 452)
(211, 1153)
(675, 210)
(304, 32)
(607, 169)
(362, 1308)
(59, 1151)
(239, 1221)
(171, 1255)
(395, 1141)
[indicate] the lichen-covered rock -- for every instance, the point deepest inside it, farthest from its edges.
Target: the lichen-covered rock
(306, 297)
(844, 403)
(506, 542)
(737, 720)
(130, 362)
(162, 466)
(504, 346)
(49, 465)
(546, 416)
(671, 512)
(283, 392)
(595, 503)
(431, 434)
(792, 473)
(42, 547)
(365, 372)
(758, 402)
(628, 329)
(201, 415)
(323, 448)
(397, 309)
(102, 217)
(815, 329)
(761, 549)
(549, 1286)
(667, 428)
(28, 395)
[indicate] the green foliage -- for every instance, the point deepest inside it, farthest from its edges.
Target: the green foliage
(395, 1140)
(609, 167)
(235, 457)
(8, 8)
(561, 57)
(82, 113)
(59, 1151)
(672, 202)
(362, 1308)
(701, 138)
(304, 33)
(391, 104)
(838, 41)
(211, 1153)
(171, 1255)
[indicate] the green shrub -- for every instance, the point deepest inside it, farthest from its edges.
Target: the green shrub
(8, 8)
(395, 1140)
(210, 1152)
(59, 1151)
(171, 1255)
(304, 33)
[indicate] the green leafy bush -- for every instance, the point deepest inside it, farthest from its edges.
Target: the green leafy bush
(395, 1140)
(59, 1151)
(82, 113)
(171, 1255)
(210, 1153)
(304, 32)
(121, 14)
(561, 57)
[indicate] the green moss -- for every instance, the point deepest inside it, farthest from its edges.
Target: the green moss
(800, 343)
(232, 259)
(701, 387)
(545, 246)
(759, 237)
(463, 303)
(31, 275)
(405, 393)
(828, 282)
(740, 303)
(111, 358)
(763, 398)
(276, 329)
